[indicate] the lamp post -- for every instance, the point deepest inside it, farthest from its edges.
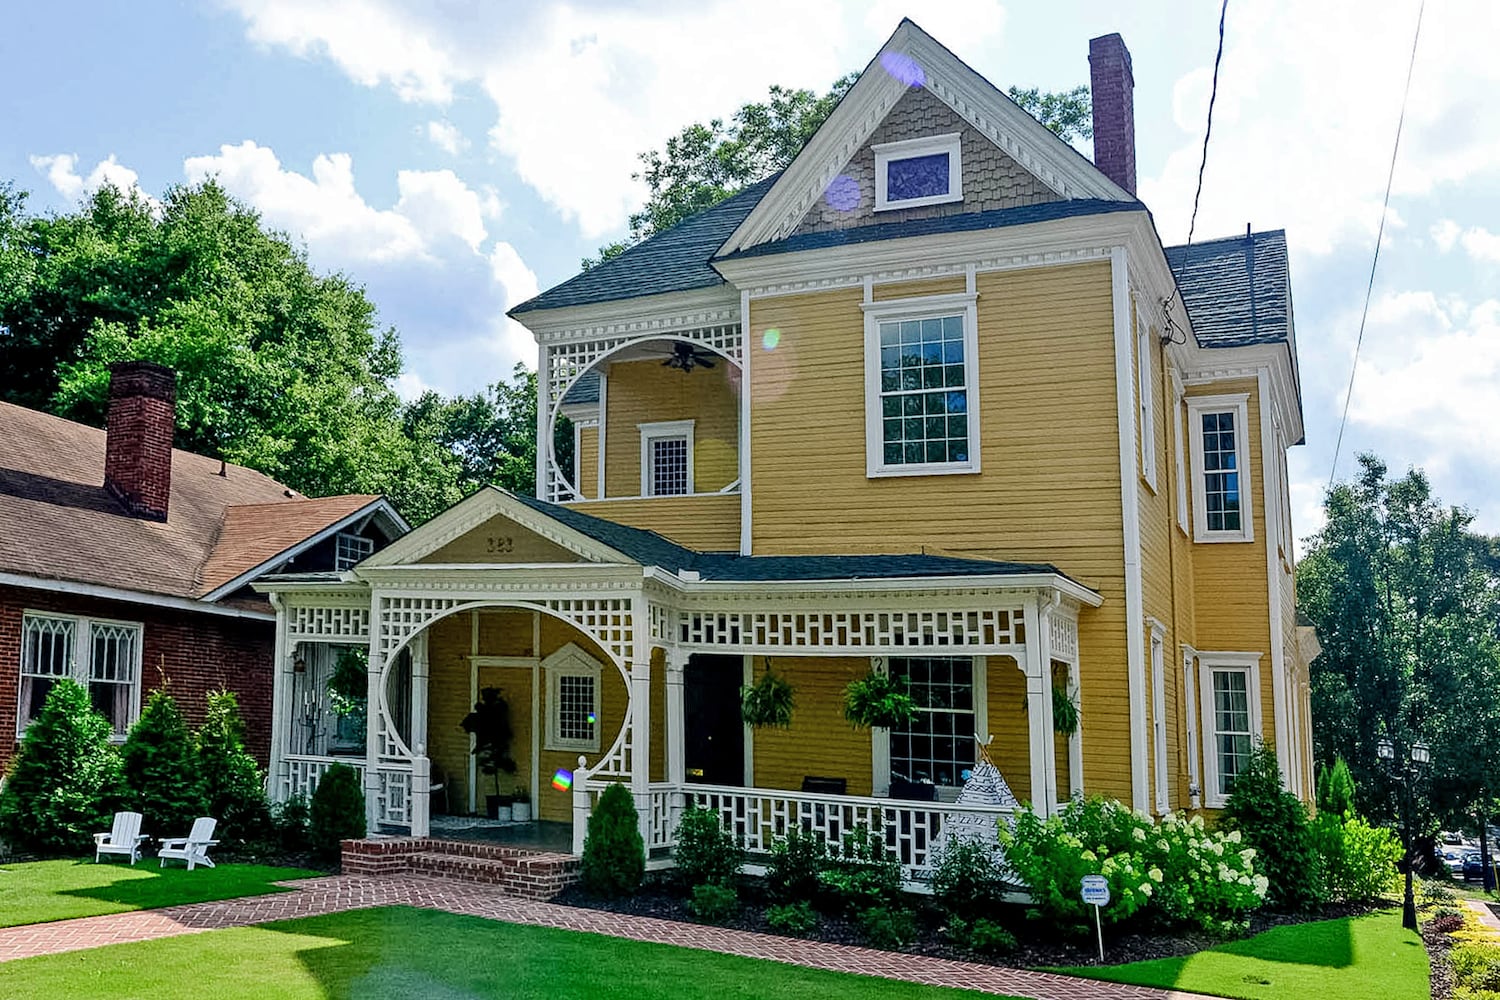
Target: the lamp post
(1407, 770)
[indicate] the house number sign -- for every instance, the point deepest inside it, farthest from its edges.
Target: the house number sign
(499, 544)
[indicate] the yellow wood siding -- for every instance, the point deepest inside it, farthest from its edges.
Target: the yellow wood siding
(1050, 486)
(1010, 743)
(912, 289)
(709, 522)
(820, 742)
(643, 392)
(588, 462)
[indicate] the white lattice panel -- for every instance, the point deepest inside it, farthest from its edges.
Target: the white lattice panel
(304, 773)
(851, 631)
(757, 817)
(1063, 631)
(403, 617)
(327, 624)
(609, 621)
(661, 624)
(393, 800)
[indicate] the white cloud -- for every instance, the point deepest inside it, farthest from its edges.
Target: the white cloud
(1481, 244)
(1306, 114)
(446, 136)
(1444, 234)
(519, 283)
(61, 170)
(440, 205)
(579, 89)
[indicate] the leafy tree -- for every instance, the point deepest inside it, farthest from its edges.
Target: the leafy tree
(1405, 604)
(163, 781)
(233, 786)
(703, 164)
(63, 779)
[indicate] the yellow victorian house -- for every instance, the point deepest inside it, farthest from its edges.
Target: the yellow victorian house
(933, 403)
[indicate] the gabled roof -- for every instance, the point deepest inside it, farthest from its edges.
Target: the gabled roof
(1238, 290)
(671, 261)
(57, 522)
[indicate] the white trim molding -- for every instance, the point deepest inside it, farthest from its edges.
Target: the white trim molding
(1160, 780)
(1210, 663)
(962, 305)
(1237, 404)
(1190, 718)
(886, 153)
(130, 596)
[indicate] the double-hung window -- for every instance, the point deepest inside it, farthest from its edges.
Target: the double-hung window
(1218, 428)
(938, 744)
(921, 386)
(572, 700)
(915, 172)
(103, 656)
(667, 458)
(1230, 688)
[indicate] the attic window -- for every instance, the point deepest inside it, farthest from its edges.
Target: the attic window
(916, 172)
(350, 549)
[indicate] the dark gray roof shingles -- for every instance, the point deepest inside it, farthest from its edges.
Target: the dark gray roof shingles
(650, 549)
(673, 261)
(1237, 290)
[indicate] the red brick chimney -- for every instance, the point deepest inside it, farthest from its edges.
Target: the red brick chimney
(138, 438)
(1113, 87)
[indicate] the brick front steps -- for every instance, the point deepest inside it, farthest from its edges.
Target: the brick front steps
(515, 871)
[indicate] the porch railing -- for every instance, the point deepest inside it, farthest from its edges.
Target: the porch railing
(393, 801)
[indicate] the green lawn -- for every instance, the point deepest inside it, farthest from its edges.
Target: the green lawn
(396, 952)
(1349, 959)
(38, 891)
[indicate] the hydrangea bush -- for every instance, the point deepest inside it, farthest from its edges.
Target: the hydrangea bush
(1170, 872)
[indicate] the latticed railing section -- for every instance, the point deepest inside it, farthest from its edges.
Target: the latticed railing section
(912, 831)
(393, 801)
(852, 631)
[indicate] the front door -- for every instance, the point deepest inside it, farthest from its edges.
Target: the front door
(715, 734)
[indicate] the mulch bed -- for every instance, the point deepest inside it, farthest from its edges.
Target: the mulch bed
(1039, 947)
(1438, 944)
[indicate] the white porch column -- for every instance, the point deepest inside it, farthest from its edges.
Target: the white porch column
(1043, 643)
(421, 768)
(1075, 742)
(581, 805)
(676, 748)
(282, 683)
(640, 717)
(1038, 709)
(374, 668)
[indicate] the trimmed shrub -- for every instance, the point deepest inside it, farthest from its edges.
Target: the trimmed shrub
(337, 812)
(888, 927)
(63, 779)
(162, 778)
(289, 822)
(1274, 822)
(863, 876)
(969, 878)
(981, 935)
(714, 902)
(795, 863)
(614, 856)
(1358, 860)
(796, 919)
(706, 852)
(1476, 969)
(233, 786)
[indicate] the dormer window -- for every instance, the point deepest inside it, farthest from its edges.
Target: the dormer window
(916, 172)
(351, 549)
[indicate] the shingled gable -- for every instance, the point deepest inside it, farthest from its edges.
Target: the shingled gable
(1053, 163)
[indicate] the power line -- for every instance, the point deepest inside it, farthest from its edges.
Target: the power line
(1213, 95)
(1375, 258)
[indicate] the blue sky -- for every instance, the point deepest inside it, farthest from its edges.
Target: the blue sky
(454, 158)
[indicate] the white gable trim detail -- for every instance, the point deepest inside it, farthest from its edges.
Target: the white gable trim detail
(469, 514)
(999, 119)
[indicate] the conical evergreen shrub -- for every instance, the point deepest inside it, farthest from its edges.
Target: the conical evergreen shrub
(163, 778)
(233, 786)
(338, 810)
(614, 856)
(64, 780)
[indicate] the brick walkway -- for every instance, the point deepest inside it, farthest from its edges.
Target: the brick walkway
(335, 893)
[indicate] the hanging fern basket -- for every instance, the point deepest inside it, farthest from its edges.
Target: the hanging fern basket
(878, 701)
(1064, 712)
(767, 704)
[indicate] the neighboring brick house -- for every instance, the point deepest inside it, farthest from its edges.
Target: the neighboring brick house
(126, 563)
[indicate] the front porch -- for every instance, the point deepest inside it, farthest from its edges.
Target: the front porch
(616, 669)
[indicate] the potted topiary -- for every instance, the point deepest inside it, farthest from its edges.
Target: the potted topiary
(489, 724)
(520, 805)
(878, 701)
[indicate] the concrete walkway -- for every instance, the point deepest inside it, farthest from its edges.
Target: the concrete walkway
(336, 893)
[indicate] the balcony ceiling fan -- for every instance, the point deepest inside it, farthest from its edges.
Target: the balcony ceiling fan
(685, 357)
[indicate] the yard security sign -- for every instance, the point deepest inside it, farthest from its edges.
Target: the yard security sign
(1096, 893)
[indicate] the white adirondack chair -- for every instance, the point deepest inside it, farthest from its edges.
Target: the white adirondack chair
(193, 848)
(124, 838)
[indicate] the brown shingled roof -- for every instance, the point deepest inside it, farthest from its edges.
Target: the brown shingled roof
(57, 522)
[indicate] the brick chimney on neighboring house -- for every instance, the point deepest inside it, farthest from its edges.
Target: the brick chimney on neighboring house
(1113, 86)
(138, 437)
